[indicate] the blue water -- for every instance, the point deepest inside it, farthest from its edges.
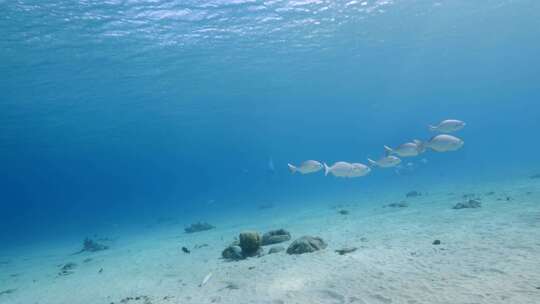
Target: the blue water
(121, 112)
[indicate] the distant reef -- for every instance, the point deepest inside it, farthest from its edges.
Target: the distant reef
(89, 245)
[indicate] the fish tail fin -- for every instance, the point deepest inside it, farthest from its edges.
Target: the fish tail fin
(292, 168)
(388, 150)
(432, 128)
(421, 145)
(326, 169)
(371, 162)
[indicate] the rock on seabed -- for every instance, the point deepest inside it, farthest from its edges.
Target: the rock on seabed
(306, 244)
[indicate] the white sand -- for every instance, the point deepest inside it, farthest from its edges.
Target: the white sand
(488, 255)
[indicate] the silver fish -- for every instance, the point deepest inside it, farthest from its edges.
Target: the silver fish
(448, 126)
(345, 169)
(358, 170)
(444, 143)
(385, 162)
(339, 169)
(409, 149)
(309, 166)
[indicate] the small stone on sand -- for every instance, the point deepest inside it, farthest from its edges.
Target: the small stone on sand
(413, 193)
(346, 250)
(67, 269)
(276, 249)
(7, 291)
(397, 205)
(469, 204)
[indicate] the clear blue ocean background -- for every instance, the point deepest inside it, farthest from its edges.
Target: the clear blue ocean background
(118, 113)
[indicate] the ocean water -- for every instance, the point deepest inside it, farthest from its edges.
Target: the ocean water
(119, 115)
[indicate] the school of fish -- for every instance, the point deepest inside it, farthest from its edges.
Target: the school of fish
(442, 142)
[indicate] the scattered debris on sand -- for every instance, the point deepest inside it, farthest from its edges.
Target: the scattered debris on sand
(230, 286)
(275, 237)
(137, 300)
(468, 204)
(306, 244)
(413, 193)
(198, 227)
(343, 212)
(397, 205)
(185, 250)
(7, 291)
(276, 249)
(67, 269)
(346, 250)
(90, 245)
(490, 193)
(436, 242)
(200, 246)
(206, 279)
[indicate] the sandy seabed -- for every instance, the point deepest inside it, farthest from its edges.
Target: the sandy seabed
(487, 255)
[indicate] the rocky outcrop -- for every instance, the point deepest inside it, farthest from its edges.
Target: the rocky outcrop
(232, 253)
(90, 245)
(275, 237)
(306, 244)
(198, 227)
(250, 242)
